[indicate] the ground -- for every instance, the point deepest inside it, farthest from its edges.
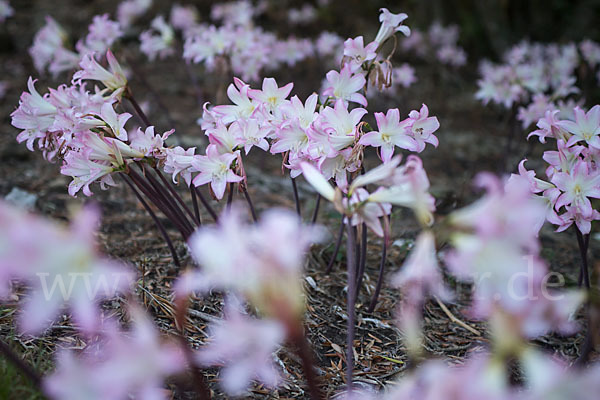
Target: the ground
(472, 139)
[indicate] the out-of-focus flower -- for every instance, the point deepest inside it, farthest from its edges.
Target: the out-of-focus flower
(158, 41)
(262, 262)
(496, 247)
(244, 346)
(46, 43)
(420, 275)
(134, 363)
(61, 266)
(103, 33)
(129, 10)
(304, 15)
(404, 75)
(6, 11)
(183, 17)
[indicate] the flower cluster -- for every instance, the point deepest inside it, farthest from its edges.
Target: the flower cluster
(494, 241)
(241, 46)
(496, 247)
(439, 43)
(81, 128)
(537, 77)
(50, 45)
(572, 171)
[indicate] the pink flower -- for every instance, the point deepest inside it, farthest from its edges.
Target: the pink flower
(578, 185)
(390, 24)
(290, 138)
(404, 75)
(271, 95)
(505, 211)
(345, 85)
(548, 127)
(340, 125)
(225, 138)
(391, 133)
(129, 10)
(35, 115)
(84, 172)
(46, 43)
(6, 11)
(216, 169)
(251, 134)
(158, 41)
(452, 55)
(102, 33)
(245, 347)
(420, 275)
(61, 267)
(303, 114)
(123, 364)
(357, 53)
(90, 69)
(563, 159)
(408, 187)
(366, 212)
(183, 17)
(179, 162)
(149, 143)
(328, 44)
(422, 128)
(115, 122)
(536, 110)
(586, 127)
(262, 262)
(243, 106)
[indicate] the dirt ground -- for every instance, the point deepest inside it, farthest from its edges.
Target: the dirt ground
(472, 139)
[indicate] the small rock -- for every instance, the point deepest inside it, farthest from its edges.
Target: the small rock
(21, 198)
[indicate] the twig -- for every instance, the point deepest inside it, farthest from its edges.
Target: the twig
(454, 319)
